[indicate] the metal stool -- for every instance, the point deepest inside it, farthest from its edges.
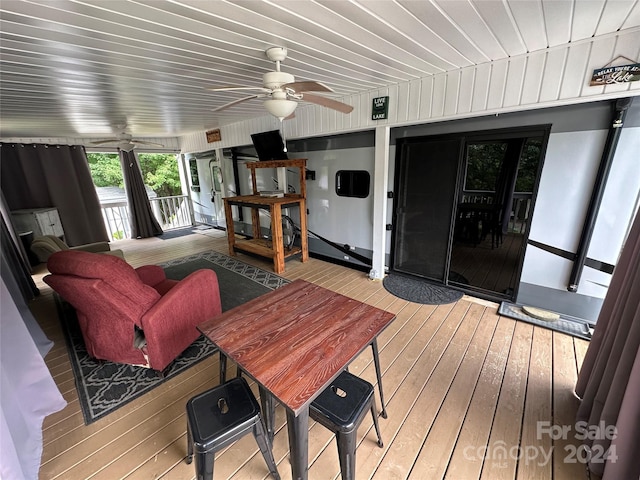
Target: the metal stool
(341, 408)
(220, 416)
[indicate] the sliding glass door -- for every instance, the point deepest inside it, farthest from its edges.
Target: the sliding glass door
(426, 185)
(463, 207)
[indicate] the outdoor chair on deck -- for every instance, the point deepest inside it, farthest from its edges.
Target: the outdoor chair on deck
(341, 407)
(133, 316)
(219, 417)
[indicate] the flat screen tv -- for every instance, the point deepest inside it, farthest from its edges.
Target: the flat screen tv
(269, 145)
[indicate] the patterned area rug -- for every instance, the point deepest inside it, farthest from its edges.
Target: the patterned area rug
(420, 291)
(103, 387)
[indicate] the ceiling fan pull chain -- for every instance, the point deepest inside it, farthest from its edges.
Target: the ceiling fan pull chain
(284, 139)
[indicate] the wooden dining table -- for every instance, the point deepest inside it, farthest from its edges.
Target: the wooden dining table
(294, 341)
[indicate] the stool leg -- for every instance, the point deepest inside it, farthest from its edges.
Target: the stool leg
(265, 447)
(204, 465)
(375, 422)
(189, 458)
(376, 361)
(347, 453)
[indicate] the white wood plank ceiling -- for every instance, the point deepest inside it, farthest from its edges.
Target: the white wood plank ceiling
(80, 68)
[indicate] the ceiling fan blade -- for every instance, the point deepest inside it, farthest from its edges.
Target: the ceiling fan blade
(327, 102)
(102, 142)
(230, 88)
(307, 86)
(235, 102)
(142, 142)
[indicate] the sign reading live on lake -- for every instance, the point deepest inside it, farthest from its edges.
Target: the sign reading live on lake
(380, 108)
(614, 75)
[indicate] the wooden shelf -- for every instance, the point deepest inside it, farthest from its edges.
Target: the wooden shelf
(274, 249)
(263, 248)
(257, 200)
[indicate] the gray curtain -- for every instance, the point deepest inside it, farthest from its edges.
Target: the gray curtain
(40, 176)
(609, 380)
(143, 222)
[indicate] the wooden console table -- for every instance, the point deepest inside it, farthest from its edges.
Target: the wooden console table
(257, 245)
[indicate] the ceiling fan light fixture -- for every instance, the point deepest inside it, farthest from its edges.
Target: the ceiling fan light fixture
(280, 108)
(283, 91)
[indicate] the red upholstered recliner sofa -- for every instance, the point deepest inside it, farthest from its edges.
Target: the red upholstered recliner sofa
(116, 304)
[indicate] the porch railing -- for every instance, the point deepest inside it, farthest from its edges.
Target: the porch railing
(170, 212)
(520, 207)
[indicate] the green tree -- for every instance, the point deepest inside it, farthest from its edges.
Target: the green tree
(105, 169)
(528, 167)
(160, 172)
(483, 165)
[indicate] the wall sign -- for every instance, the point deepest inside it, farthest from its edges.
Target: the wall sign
(380, 108)
(214, 136)
(609, 75)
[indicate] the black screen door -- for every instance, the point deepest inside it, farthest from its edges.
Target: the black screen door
(427, 175)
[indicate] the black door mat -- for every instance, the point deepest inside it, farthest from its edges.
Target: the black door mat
(565, 324)
(420, 291)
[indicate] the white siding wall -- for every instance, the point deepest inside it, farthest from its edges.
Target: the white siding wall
(546, 78)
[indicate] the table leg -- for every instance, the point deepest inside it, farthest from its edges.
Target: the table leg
(276, 238)
(298, 428)
(376, 361)
(223, 367)
(268, 411)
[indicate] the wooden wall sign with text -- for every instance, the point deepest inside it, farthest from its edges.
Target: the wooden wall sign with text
(380, 108)
(214, 136)
(614, 75)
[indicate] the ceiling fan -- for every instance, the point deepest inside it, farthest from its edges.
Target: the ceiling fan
(282, 92)
(125, 141)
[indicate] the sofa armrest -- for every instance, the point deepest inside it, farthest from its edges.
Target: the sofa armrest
(170, 325)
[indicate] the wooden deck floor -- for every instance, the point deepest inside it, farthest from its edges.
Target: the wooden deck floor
(466, 391)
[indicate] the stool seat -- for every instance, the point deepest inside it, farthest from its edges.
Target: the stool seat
(341, 407)
(220, 416)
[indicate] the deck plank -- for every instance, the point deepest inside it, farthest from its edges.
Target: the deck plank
(535, 463)
(455, 377)
(438, 447)
(468, 455)
(500, 462)
(566, 465)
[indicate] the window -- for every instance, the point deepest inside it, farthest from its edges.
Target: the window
(352, 183)
(193, 170)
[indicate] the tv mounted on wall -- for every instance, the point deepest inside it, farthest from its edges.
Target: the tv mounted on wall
(269, 145)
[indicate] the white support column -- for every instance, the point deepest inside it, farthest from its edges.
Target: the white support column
(380, 182)
(184, 184)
